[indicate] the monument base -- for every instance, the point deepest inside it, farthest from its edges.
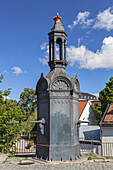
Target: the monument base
(58, 153)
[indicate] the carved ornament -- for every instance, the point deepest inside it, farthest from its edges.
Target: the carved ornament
(60, 85)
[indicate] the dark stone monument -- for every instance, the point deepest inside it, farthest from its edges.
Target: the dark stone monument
(57, 95)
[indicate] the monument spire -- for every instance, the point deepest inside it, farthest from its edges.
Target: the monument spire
(57, 103)
(57, 37)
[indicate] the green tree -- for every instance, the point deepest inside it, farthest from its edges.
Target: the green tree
(12, 117)
(105, 97)
(98, 113)
(28, 101)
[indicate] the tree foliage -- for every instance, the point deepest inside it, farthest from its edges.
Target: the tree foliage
(105, 97)
(28, 101)
(12, 117)
(13, 114)
(98, 113)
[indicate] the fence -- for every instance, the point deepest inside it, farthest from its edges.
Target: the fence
(6, 141)
(107, 149)
(90, 146)
(26, 145)
(22, 144)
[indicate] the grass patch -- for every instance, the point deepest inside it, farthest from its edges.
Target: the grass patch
(92, 156)
(11, 156)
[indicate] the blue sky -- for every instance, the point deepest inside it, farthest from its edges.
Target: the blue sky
(24, 27)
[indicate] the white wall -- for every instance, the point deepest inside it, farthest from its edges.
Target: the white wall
(107, 134)
(88, 114)
(107, 141)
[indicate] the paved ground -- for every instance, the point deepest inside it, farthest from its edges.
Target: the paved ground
(34, 164)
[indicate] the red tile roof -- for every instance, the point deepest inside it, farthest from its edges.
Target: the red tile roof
(82, 104)
(97, 100)
(109, 114)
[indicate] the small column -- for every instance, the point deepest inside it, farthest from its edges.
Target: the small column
(60, 52)
(54, 50)
(49, 51)
(63, 50)
(65, 46)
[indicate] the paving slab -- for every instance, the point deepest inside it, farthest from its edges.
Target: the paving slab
(3, 158)
(80, 164)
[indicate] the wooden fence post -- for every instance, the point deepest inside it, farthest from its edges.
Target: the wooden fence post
(92, 145)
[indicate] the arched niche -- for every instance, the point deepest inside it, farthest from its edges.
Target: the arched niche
(61, 84)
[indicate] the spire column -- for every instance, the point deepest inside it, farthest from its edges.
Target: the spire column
(65, 46)
(62, 49)
(54, 50)
(49, 51)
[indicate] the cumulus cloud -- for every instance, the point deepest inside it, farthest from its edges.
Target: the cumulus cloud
(87, 59)
(104, 20)
(82, 19)
(18, 70)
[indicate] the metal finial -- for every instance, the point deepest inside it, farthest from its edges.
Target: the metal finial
(57, 18)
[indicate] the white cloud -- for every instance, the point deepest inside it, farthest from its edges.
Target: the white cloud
(43, 46)
(104, 20)
(5, 71)
(17, 70)
(6, 97)
(96, 94)
(82, 20)
(87, 59)
(79, 41)
(44, 61)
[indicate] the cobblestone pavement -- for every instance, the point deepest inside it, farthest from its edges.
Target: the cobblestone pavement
(82, 164)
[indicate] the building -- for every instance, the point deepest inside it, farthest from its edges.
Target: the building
(86, 114)
(96, 103)
(86, 96)
(106, 126)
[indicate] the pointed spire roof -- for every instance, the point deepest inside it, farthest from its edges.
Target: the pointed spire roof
(58, 26)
